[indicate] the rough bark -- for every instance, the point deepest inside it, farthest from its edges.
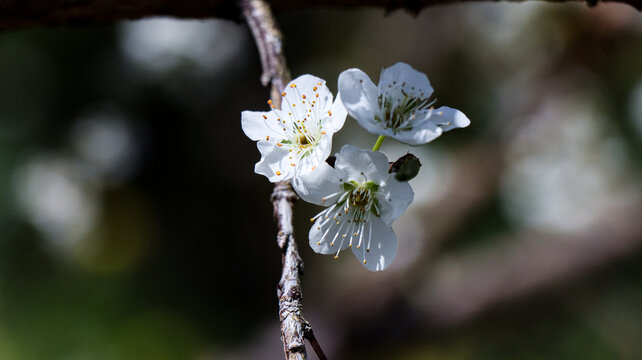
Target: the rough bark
(293, 324)
(294, 328)
(21, 13)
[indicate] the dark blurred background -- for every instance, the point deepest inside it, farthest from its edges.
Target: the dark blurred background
(132, 225)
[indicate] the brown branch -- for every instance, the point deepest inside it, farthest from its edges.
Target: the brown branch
(21, 13)
(268, 38)
(293, 325)
(294, 328)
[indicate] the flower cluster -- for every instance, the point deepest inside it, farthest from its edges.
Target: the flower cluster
(361, 193)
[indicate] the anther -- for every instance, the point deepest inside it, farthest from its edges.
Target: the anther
(265, 117)
(283, 93)
(278, 173)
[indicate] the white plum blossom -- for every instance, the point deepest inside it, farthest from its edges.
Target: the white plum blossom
(362, 199)
(298, 136)
(400, 107)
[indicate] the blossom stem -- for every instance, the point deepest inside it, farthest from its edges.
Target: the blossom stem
(377, 145)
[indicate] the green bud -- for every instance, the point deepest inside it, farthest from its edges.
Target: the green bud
(406, 167)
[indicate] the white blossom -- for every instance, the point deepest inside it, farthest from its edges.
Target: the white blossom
(400, 107)
(362, 201)
(297, 137)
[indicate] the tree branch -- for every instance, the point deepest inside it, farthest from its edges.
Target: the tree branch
(19, 13)
(294, 328)
(268, 39)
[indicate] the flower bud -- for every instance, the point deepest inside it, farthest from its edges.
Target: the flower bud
(406, 167)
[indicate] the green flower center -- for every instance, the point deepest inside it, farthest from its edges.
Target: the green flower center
(362, 196)
(396, 113)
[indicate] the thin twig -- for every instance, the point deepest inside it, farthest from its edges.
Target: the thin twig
(294, 328)
(309, 334)
(269, 41)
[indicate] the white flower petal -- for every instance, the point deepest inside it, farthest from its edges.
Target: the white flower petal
(362, 165)
(315, 185)
(379, 245)
(421, 133)
(302, 91)
(321, 151)
(448, 118)
(335, 122)
(258, 125)
(402, 76)
(274, 162)
(394, 198)
(435, 122)
(360, 98)
(326, 236)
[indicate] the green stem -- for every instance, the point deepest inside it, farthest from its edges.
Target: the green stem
(378, 143)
